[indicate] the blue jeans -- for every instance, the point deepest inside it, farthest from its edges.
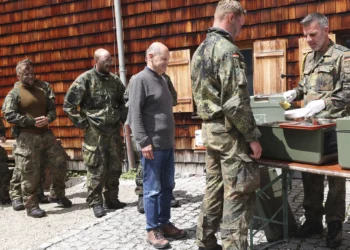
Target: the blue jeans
(158, 184)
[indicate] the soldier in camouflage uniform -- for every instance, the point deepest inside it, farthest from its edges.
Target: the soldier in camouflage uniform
(324, 87)
(5, 174)
(15, 184)
(30, 109)
(229, 132)
(139, 173)
(99, 94)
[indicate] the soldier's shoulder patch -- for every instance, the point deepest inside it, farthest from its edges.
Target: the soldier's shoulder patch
(341, 48)
(346, 55)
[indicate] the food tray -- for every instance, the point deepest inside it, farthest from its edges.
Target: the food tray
(305, 125)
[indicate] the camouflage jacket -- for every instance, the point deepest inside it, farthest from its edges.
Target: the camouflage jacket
(219, 84)
(101, 102)
(325, 79)
(11, 106)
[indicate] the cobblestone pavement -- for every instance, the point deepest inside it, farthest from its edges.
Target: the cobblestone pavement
(125, 229)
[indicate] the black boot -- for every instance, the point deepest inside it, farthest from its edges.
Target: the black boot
(62, 202)
(309, 228)
(174, 202)
(217, 247)
(334, 235)
(140, 207)
(99, 211)
(36, 213)
(17, 205)
(43, 199)
(114, 204)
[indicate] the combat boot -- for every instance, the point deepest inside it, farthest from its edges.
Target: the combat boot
(36, 213)
(170, 231)
(334, 235)
(62, 202)
(309, 228)
(174, 202)
(114, 204)
(99, 211)
(156, 238)
(217, 247)
(17, 205)
(140, 207)
(43, 199)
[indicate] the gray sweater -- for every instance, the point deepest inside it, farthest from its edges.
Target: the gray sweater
(150, 110)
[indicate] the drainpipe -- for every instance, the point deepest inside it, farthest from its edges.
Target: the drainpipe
(122, 75)
(119, 30)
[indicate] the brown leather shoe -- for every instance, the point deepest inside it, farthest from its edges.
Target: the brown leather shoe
(173, 232)
(156, 238)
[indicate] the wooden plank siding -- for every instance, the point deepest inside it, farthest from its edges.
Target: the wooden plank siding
(60, 36)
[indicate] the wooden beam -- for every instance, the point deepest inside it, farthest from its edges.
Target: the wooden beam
(269, 53)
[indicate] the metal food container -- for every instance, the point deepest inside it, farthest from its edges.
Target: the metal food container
(316, 146)
(343, 137)
(266, 108)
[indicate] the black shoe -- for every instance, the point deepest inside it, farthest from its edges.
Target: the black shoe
(5, 201)
(17, 205)
(43, 199)
(99, 211)
(309, 228)
(114, 204)
(175, 203)
(334, 235)
(36, 213)
(140, 207)
(62, 202)
(217, 247)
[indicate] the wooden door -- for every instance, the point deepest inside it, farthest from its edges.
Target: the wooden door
(179, 72)
(270, 62)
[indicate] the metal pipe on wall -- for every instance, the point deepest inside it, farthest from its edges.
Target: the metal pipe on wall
(122, 75)
(119, 34)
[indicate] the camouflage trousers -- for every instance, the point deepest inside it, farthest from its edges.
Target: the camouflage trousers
(231, 180)
(15, 183)
(103, 156)
(32, 151)
(139, 173)
(5, 176)
(139, 180)
(313, 197)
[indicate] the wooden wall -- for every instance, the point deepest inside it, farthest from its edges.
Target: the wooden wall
(60, 36)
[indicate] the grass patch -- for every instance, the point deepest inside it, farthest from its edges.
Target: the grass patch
(130, 175)
(73, 173)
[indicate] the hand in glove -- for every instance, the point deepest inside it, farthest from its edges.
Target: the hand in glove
(290, 95)
(314, 107)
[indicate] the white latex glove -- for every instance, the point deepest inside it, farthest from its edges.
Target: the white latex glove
(314, 107)
(290, 95)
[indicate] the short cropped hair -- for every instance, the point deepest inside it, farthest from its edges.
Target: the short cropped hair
(23, 64)
(225, 7)
(318, 17)
(153, 49)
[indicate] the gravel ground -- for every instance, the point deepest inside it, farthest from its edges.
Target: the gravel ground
(18, 231)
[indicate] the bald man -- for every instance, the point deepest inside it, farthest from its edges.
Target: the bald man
(153, 127)
(99, 94)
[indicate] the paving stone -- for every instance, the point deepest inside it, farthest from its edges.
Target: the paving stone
(125, 229)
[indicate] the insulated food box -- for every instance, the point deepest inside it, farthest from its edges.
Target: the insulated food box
(343, 137)
(266, 108)
(299, 141)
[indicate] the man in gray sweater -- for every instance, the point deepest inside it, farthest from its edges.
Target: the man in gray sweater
(153, 127)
